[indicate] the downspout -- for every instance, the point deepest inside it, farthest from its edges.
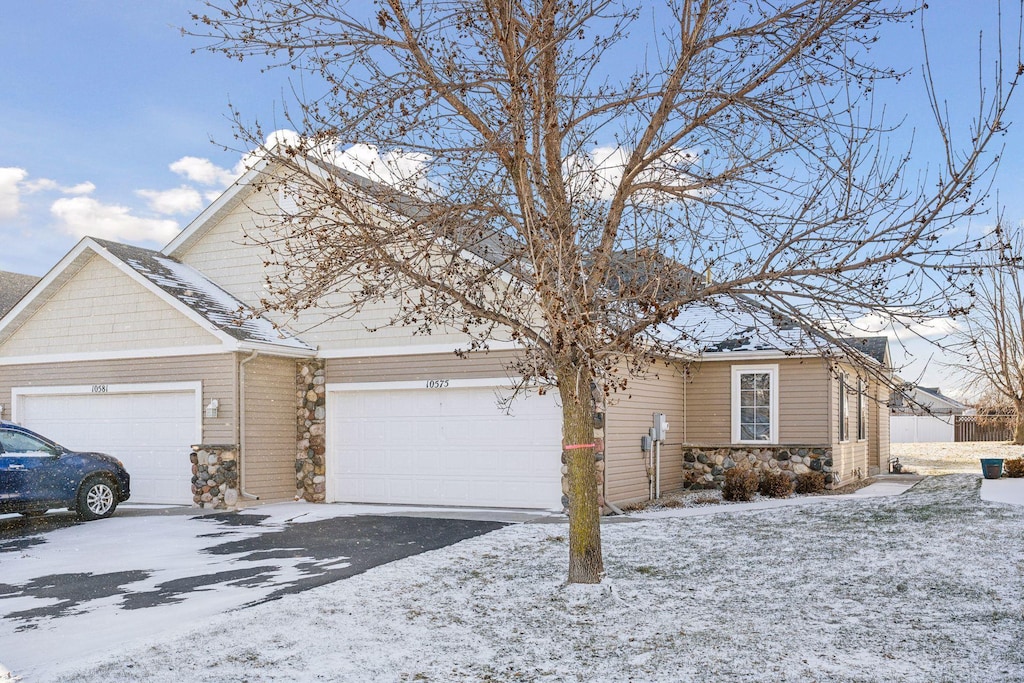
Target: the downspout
(240, 428)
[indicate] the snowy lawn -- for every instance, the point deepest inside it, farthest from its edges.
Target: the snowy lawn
(945, 458)
(919, 587)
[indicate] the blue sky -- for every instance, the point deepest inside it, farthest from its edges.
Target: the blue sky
(106, 119)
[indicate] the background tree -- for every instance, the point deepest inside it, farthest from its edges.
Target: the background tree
(574, 176)
(991, 336)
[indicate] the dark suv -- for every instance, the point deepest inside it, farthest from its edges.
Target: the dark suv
(37, 474)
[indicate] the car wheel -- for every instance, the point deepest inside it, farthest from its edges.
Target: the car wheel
(33, 513)
(96, 499)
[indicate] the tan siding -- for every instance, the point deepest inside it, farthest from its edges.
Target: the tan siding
(227, 255)
(882, 415)
(270, 431)
(103, 309)
(419, 367)
(216, 373)
(803, 401)
(628, 418)
(850, 457)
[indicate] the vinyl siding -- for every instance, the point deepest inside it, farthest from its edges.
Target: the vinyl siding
(803, 401)
(850, 457)
(228, 256)
(103, 309)
(419, 367)
(216, 372)
(270, 428)
(627, 419)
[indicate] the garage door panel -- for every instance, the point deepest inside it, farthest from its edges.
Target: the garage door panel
(150, 432)
(443, 447)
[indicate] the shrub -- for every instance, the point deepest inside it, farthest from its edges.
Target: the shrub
(810, 482)
(1014, 467)
(775, 485)
(740, 484)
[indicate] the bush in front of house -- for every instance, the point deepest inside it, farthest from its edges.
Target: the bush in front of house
(740, 484)
(775, 485)
(810, 482)
(1014, 467)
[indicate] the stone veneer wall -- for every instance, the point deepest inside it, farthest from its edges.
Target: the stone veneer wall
(310, 397)
(215, 476)
(597, 399)
(705, 466)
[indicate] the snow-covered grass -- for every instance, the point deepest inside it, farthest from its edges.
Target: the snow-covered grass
(946, 458)
(919, 587)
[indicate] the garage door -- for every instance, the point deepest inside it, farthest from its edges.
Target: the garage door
(449, 445)
(151, 432)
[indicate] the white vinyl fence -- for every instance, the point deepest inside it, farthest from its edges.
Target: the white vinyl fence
(921, 428)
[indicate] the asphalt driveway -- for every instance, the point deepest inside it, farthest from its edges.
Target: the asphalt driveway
(141, 572)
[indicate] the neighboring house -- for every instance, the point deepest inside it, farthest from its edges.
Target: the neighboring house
(13, 286)
(918, 400)
(152, 356)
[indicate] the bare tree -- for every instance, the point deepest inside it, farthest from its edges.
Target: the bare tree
(573, 175)
(991, 336)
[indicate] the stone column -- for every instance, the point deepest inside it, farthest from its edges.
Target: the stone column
(311, 399)
(215, 476)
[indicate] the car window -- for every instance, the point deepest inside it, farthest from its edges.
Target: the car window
(23, 444)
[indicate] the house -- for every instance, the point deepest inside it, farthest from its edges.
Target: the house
(155, 356)
(13, 286)
(918, 400)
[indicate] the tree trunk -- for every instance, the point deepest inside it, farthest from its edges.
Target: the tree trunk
(1018, 431)
(586, 564)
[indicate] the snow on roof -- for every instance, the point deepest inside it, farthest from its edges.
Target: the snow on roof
(194, 290)
(724, 325)
(13, 286)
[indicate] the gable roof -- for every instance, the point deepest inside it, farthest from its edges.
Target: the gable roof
(193, 289)
(13, 286)
(725, 325)
(182, 287)
(935, 394)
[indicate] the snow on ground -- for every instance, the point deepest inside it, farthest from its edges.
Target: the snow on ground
(922, 586)
(918, 587)
(945, 458)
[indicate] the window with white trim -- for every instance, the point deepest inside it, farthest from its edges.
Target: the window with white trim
(862, 410)
(844, 408)
(755, 404)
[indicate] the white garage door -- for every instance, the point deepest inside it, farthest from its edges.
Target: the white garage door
(443, 446)
(150, 432)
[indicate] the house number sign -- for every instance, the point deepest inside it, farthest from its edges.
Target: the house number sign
(99, 388)
(437, 383)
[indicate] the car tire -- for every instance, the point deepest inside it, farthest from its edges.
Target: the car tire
(96, 499)
(34, 513)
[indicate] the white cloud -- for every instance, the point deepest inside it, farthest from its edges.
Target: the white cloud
(83, 216)
(10, 195)
(80, 188)
(903, 328)
(205, 172)
(46, 184)
(400, 169)
(178, 200)
(599, 173)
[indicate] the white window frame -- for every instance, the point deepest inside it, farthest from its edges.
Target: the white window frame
(862, 410)
(773, 377)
